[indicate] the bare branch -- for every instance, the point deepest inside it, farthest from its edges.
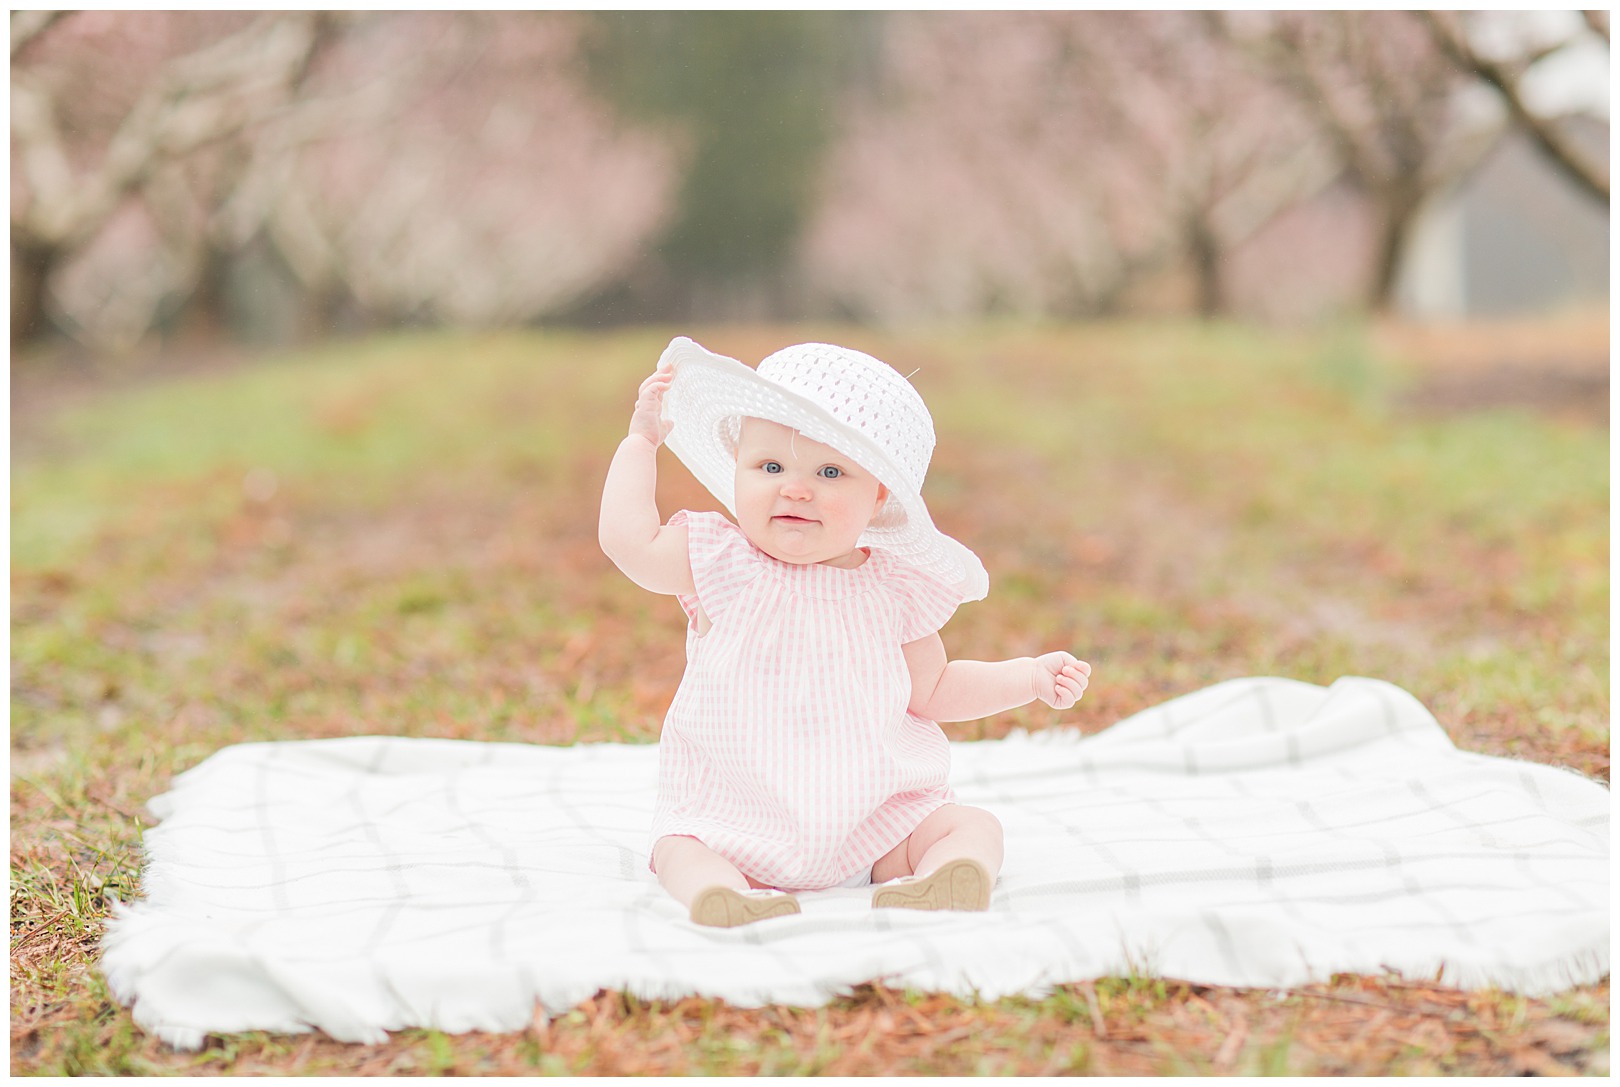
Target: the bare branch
(1290, 54)
(28, 25)
(204, 97)
(1558, 147)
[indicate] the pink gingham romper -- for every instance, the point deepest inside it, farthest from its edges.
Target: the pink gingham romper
(789, 749)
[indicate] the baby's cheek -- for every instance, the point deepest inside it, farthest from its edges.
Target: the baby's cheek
(855, 511)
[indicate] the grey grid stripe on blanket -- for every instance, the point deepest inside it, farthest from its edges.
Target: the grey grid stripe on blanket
(1261, 832)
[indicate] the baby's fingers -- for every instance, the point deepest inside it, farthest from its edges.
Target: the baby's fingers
(1067, 691)
(1072, 688)
(647, 419)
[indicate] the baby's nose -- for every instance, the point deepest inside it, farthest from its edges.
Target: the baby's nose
(794, 487)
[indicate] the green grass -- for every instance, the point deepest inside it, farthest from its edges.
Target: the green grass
(398, 535)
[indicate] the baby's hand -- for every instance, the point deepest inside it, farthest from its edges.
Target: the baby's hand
(1060, 679)
(647, 421)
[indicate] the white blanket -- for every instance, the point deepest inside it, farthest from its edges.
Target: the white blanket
(1261, 832)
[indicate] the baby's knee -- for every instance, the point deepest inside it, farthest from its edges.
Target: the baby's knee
(973, 820)
(671, 847)
(985, 821)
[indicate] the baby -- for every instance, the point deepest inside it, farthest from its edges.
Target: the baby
(801, 751)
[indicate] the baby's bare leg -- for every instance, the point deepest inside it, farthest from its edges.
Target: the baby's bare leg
(949, 833)
(711, 888)
(686, 866)
(948, 863)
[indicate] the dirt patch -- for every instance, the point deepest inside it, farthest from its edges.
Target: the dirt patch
(49, 379)
(1577, 391)
(1559, 367)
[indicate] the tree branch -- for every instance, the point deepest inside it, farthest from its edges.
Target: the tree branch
(28, 25)
(204, 97)
(1555, 144)
(1599, 22)
(1294, 63)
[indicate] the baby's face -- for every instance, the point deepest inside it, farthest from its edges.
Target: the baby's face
(800, 501)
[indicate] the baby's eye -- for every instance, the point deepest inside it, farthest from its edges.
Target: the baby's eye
(770, 467)
(831, 471)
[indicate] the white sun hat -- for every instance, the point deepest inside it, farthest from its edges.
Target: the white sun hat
(851, 401)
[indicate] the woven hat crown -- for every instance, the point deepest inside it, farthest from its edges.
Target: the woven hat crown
(863, 393)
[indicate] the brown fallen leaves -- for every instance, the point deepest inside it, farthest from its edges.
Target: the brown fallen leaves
(479, 606)
(1348, 1027)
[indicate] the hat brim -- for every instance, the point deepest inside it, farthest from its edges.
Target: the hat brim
(710, 391)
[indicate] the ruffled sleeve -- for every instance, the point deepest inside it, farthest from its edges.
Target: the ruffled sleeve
(723, 562)
(924, 603)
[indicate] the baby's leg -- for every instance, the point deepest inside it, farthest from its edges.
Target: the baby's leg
(712, 889)
(948, 833)
(686, 866)
(962, 844)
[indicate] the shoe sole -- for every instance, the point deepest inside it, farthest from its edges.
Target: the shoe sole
(961, 884)
(722, 907)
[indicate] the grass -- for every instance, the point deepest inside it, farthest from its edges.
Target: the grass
(399, 535)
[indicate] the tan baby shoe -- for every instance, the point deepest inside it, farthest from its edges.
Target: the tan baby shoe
(722, 907)
(961, 884)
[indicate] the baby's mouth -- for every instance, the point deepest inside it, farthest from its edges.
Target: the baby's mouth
(792, 520)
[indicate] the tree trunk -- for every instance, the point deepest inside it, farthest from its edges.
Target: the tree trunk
(31, 266)
(206, 313)
(1205, 250)
(1397, 209)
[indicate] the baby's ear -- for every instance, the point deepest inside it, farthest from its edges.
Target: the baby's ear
(882, 497)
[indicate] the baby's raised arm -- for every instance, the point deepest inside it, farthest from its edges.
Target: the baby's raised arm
(651, 554)
(947, 690)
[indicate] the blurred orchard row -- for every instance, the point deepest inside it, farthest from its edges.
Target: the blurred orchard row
(293, 174)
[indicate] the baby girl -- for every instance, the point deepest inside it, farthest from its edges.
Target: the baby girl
(802, 751)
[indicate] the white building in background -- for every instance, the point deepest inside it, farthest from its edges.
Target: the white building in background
(1432, 280)
(1515, 236)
